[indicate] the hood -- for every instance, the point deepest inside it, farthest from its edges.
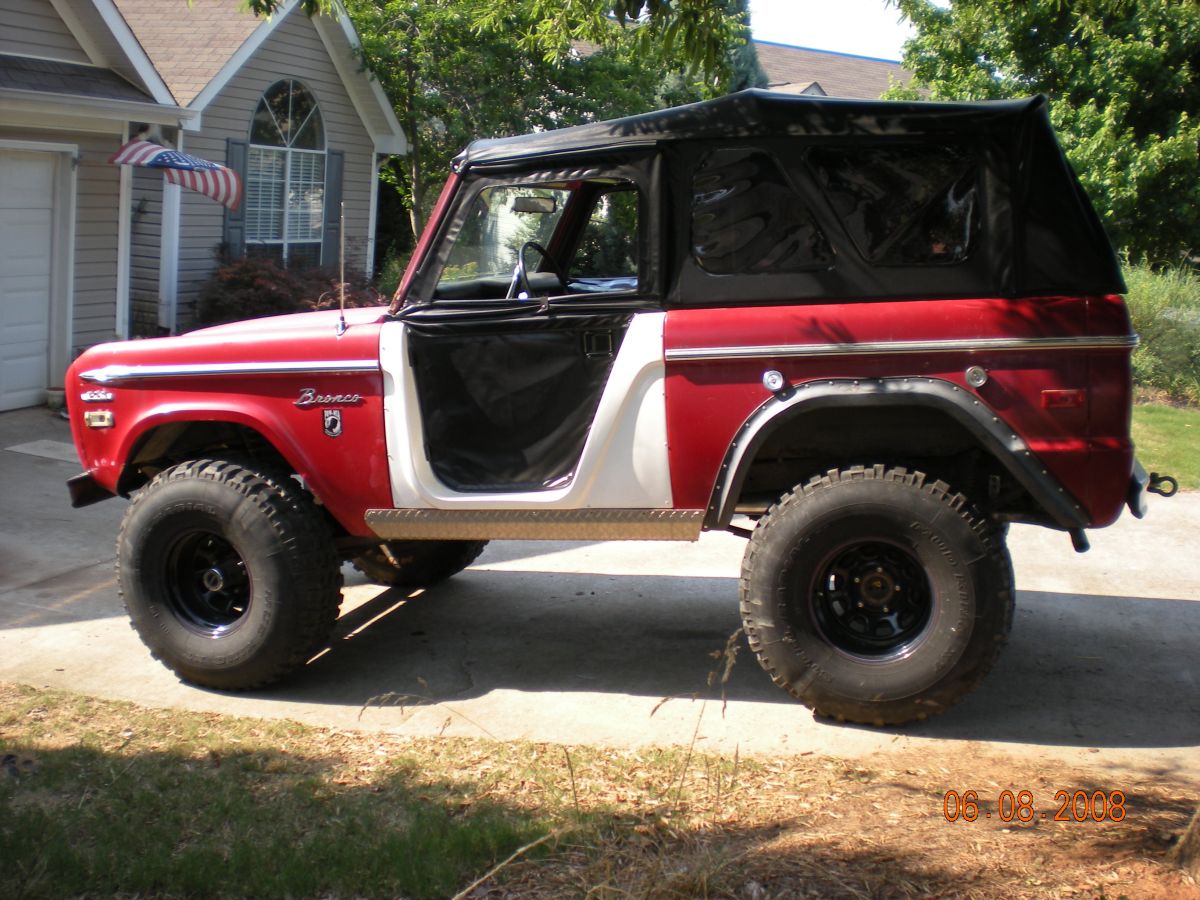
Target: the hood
(304, 322)
(310, 336)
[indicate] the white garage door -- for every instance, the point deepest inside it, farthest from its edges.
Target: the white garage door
(26, 249)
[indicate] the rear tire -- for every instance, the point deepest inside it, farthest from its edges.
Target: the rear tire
(417, 563)
(228, 574)
(875, 597)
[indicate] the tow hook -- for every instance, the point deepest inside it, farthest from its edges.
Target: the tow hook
(1163, 485)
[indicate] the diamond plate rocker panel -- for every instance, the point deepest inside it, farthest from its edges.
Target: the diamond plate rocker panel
(537, 524)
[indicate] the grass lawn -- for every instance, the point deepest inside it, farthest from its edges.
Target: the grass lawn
(1168, 441)
(101, 799)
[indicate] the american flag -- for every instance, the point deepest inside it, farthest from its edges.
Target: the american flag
(200, 175)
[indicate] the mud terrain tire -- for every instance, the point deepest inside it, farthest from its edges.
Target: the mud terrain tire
(873, 596)
(228, 573)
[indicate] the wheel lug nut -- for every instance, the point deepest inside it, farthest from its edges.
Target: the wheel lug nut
(859, 604)
(897, 589)
(885, 609)
(879, 568)
(857, 580)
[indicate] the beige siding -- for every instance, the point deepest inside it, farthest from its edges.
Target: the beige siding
(33, 28)
(145, 250)
(294, 50)
(97, 190)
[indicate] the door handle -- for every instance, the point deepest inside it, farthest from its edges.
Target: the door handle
(597, 344)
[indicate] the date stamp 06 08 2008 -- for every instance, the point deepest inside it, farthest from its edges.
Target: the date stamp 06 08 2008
(1078, 806)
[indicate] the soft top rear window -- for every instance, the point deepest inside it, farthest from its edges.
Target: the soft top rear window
(902, 204)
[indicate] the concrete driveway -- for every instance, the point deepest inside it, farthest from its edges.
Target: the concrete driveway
(579, 642)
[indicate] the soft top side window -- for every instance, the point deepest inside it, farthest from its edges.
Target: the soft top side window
(608, 245)
(747, 219)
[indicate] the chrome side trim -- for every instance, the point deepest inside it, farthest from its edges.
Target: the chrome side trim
(681, 354)
(537, 524)
(115, 374)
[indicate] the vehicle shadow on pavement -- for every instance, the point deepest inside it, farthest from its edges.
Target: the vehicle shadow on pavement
(1088, 671)
(536, 631)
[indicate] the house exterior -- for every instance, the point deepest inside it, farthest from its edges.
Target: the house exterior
(90, 251)
(824, 73)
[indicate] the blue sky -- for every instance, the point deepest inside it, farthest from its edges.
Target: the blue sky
(862, 27)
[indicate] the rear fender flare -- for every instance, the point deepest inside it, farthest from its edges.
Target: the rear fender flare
(961, 405)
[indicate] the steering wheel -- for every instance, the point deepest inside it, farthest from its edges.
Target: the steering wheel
(521, 276)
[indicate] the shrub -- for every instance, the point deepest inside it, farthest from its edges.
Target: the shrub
(1165, 306)
(392, 271)
(249, 288)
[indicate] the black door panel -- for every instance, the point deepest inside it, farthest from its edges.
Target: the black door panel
(507, 402)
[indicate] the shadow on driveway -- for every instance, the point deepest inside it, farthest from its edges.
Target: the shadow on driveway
(1089, 671)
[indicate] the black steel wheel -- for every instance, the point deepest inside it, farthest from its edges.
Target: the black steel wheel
(207, 585)
(875, 596)
(871, 599)
(228, 573)
(417, 563)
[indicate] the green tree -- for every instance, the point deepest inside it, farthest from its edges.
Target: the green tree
(743, 68)
(456, 70)
(1124, 80)
(701, 30)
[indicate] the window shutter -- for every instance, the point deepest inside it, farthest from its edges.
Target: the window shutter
(335, 163)
(234, 235)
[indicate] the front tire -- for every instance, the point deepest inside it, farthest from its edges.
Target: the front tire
(228, 574)
(875, 597)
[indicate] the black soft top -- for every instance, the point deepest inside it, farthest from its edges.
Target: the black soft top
(757, 113)
(1039, 232)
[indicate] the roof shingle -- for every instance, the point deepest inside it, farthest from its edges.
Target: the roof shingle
(52, 77)
(839, 74)
(188, 44)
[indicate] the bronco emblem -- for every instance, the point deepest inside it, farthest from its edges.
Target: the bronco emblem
(333, 422)
(309, 397)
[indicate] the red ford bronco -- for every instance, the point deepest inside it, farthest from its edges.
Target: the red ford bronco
(864, 335)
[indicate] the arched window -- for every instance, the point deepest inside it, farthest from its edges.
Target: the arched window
(285, 177)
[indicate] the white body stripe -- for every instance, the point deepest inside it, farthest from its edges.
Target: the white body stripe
(624, 461)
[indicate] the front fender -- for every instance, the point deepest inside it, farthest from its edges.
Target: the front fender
(346, 471)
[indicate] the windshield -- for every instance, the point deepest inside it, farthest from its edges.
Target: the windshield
(499, 223)
(577, 237)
